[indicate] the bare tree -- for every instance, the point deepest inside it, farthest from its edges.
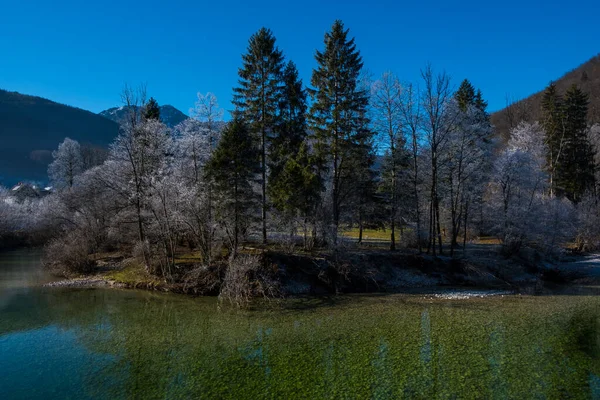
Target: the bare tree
(386, 103)
(411, 121)
(437, 124)
(133, 99)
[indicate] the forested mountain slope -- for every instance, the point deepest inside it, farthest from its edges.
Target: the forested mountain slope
(31, 127)
(586, 76)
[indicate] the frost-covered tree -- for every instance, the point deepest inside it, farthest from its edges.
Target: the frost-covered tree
(193, 149)
(517, 196)
(207, 111)
(466, 157)
(66, 165)
(411, 112)
(437, 123)
(204, 138)
(137, 158)
(387, 119)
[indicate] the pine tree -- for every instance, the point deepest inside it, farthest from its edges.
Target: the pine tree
(338, 113)
(578, 166)
(553, 124)
(296, 192)
(152, 110)
(465, 95)
(232, 168)
(257, 99)
(291, 128)
(480, 103)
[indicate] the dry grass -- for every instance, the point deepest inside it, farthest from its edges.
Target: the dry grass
(377, 234)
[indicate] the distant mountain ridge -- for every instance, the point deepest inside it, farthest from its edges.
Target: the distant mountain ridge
(31, 128)
(586, 76)
(169, 115)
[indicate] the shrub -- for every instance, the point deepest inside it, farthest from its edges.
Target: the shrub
(245, 278)
(68, 255)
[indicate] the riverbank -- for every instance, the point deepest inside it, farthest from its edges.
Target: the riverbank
(481, 268)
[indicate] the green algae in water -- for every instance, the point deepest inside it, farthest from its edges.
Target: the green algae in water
(66, 343)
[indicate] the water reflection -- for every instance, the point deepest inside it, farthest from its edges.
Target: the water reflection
(102, 343)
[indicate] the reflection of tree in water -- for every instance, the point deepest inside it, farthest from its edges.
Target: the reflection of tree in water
(174, 346)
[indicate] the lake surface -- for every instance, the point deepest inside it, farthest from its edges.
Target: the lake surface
(111, 344)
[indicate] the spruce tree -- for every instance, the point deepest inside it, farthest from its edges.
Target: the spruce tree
(296, 191)
(338, 114)
(578, 166)
(290, 130)
(465, 95)
(232, 169)
(257, 99)
(152, 110)
(553, 124)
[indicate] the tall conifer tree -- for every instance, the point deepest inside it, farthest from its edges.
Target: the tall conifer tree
(231, 169)
(152, 110)
(257, 99)
(291, 128)
(338, 113)
(579, 169)
(553, 124)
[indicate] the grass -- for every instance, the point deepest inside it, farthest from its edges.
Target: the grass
(378, 234)
(134, 274)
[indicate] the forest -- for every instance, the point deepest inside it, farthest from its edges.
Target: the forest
(298, 166)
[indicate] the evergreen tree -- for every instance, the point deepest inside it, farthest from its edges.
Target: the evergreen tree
(257, 99)
(338, 114)
(578, 165)
(296, 192)
(291, 128)
(232, 168)
(465, 95)
(553, 124)
(152, 110)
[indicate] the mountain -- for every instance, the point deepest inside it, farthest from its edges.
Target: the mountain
(169, 115)
(586, 76)
(32, 127)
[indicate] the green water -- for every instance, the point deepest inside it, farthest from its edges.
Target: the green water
(111, 344)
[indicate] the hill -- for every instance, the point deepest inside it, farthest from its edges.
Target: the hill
(31, 127)
(169, 115)
(586, 76)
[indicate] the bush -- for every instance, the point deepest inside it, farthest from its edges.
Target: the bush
(246, 277)
(202, 280)
(68, 255)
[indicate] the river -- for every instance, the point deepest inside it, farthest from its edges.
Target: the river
(58, 343)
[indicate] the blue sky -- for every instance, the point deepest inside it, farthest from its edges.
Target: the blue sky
(81, 53)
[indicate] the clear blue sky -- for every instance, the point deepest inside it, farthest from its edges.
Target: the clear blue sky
(82, 52)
